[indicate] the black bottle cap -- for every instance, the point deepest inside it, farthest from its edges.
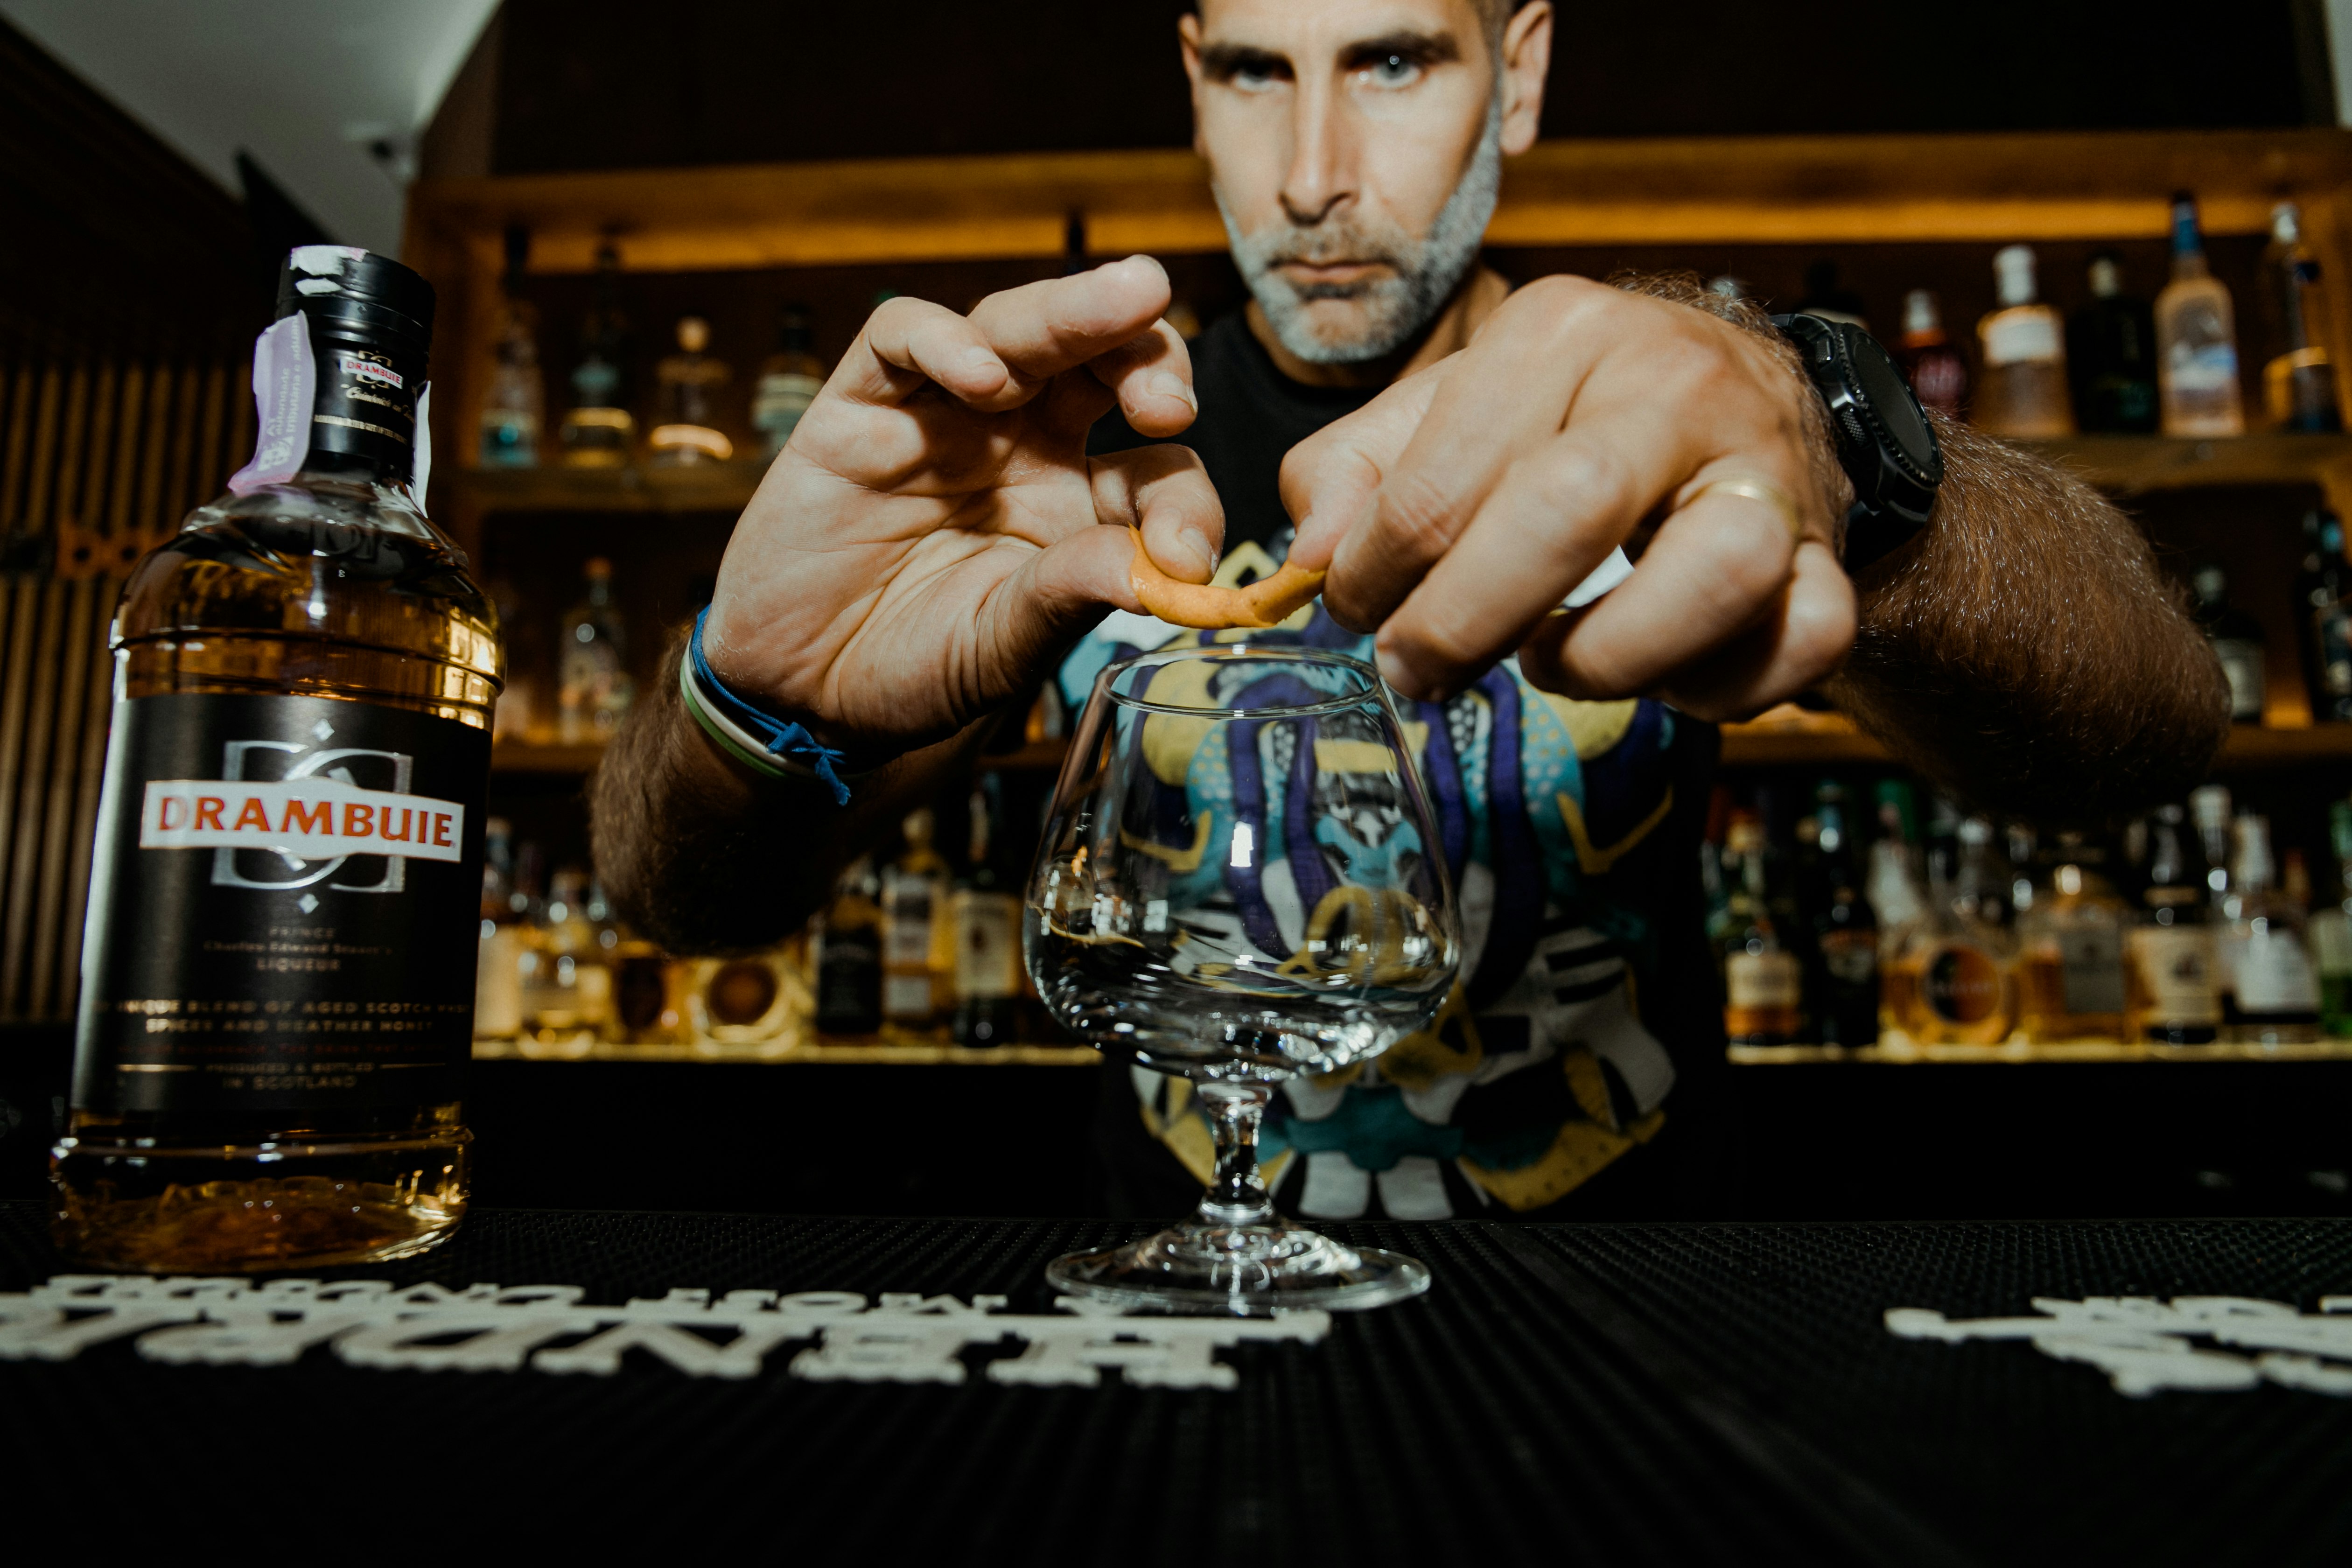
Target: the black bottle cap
(341, 287)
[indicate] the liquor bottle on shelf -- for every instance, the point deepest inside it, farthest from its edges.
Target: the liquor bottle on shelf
(1931, 361)
(2196, 338)
(2023, 388)
(2070, 949)
(567, 992)
(649, 1005)
(789, 380)
(2111, 354)
(848, 959)
(595, 689)
(1845, 1006)
(986, 912)
(1955, 981)
(2299, 383)
(2273, 996)
(2172, 969)
(2323, 584)
(1763, 982)
(514, 404)
(2331, 930)
(753, 1000)
(687, 387)
(599, 430)
(498, 973)
(917, 947)
(290, 833)
(2237, 640)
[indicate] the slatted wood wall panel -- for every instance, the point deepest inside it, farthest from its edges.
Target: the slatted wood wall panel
(98, 460)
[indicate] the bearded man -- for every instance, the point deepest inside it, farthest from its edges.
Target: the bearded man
(1464, 458)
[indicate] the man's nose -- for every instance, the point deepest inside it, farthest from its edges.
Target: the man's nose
(1321, 177)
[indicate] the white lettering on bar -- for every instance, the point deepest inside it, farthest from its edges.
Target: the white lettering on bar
(315, 818)
(2146, 1345)
(205, 1322)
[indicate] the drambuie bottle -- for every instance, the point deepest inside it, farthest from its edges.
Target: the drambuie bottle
(277, 972)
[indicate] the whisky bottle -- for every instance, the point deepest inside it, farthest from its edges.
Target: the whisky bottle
(986, 912)
(1763, 982)
(278, 977)
(1930, 361)
(2273, 997)
(914, 922)
(2196, 338)
(686, 388)
(497, 971)
(2171, 979)
(2111, 353)
(1846, 933)
(848, 939)
(789, 380)
(2299, 383)
(599, 431)
(594, 690)
(1959, 965)
(2331, 930)
(514, 403)
(2023, 390)
(2071, 958)
(2237, 640)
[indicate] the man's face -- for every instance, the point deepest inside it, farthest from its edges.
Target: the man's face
(1355, 148)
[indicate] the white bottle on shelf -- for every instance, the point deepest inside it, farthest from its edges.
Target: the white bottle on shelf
(2195, 339)
(2023, 389)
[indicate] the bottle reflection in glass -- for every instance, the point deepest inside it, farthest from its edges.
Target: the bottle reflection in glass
(1240, 882)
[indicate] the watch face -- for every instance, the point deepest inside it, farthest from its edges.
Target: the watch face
(1882, 385)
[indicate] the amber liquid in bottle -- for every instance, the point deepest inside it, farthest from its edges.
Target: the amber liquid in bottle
(331, 586)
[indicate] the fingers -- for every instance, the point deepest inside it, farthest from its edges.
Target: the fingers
(1556, 515)
(1013, 343)
(1799, 645)
(1152, 376)
(1165, 492)
(1330, 480)
(1717, 568)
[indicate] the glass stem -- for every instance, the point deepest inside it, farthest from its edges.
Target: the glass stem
(1234, 1195)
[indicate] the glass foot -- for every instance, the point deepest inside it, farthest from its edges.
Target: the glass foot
(1245, 1270)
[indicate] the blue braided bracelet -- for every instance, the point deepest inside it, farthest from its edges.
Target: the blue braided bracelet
(773, 745)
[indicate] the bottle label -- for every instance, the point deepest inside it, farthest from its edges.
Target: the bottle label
(2176, 966)
(2026, 334)
(2274, 974)
(2091, 969)
(2211, 367)
(988, 945)
(907, 997)
(284, 912)
(1961, 984)
(2241, 667)
(909, 945)
(285, 386)
(1755, 981)
(1850, 956)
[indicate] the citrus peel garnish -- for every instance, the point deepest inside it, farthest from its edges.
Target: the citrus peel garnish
(1261, 606)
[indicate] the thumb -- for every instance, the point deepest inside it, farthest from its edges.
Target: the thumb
(1056, 597)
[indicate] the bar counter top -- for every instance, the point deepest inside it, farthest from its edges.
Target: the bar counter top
(880, 1390)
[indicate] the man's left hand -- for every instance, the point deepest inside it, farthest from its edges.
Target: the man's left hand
(1458, 509)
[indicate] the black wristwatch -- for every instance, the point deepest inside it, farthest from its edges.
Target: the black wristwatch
(1884, 440)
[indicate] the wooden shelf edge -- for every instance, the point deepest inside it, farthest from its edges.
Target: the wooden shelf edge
(2015, 1053)
(789, 1053)
(1830, 739)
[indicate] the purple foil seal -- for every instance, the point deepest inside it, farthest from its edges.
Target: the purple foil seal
(285, 389)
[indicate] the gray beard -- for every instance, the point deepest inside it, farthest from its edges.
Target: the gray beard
(1394, 306)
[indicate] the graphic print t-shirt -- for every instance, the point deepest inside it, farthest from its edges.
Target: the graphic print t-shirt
(1571, 830)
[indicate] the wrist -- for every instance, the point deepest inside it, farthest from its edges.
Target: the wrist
(752, 736)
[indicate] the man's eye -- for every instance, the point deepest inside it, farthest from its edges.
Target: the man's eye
(1392, 70)
(1254, 79)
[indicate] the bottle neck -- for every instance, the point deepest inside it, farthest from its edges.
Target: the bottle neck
(337, 400)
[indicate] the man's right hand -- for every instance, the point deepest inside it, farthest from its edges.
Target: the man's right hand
(929, 538)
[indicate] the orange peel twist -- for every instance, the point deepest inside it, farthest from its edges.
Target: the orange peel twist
(1261, 606)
